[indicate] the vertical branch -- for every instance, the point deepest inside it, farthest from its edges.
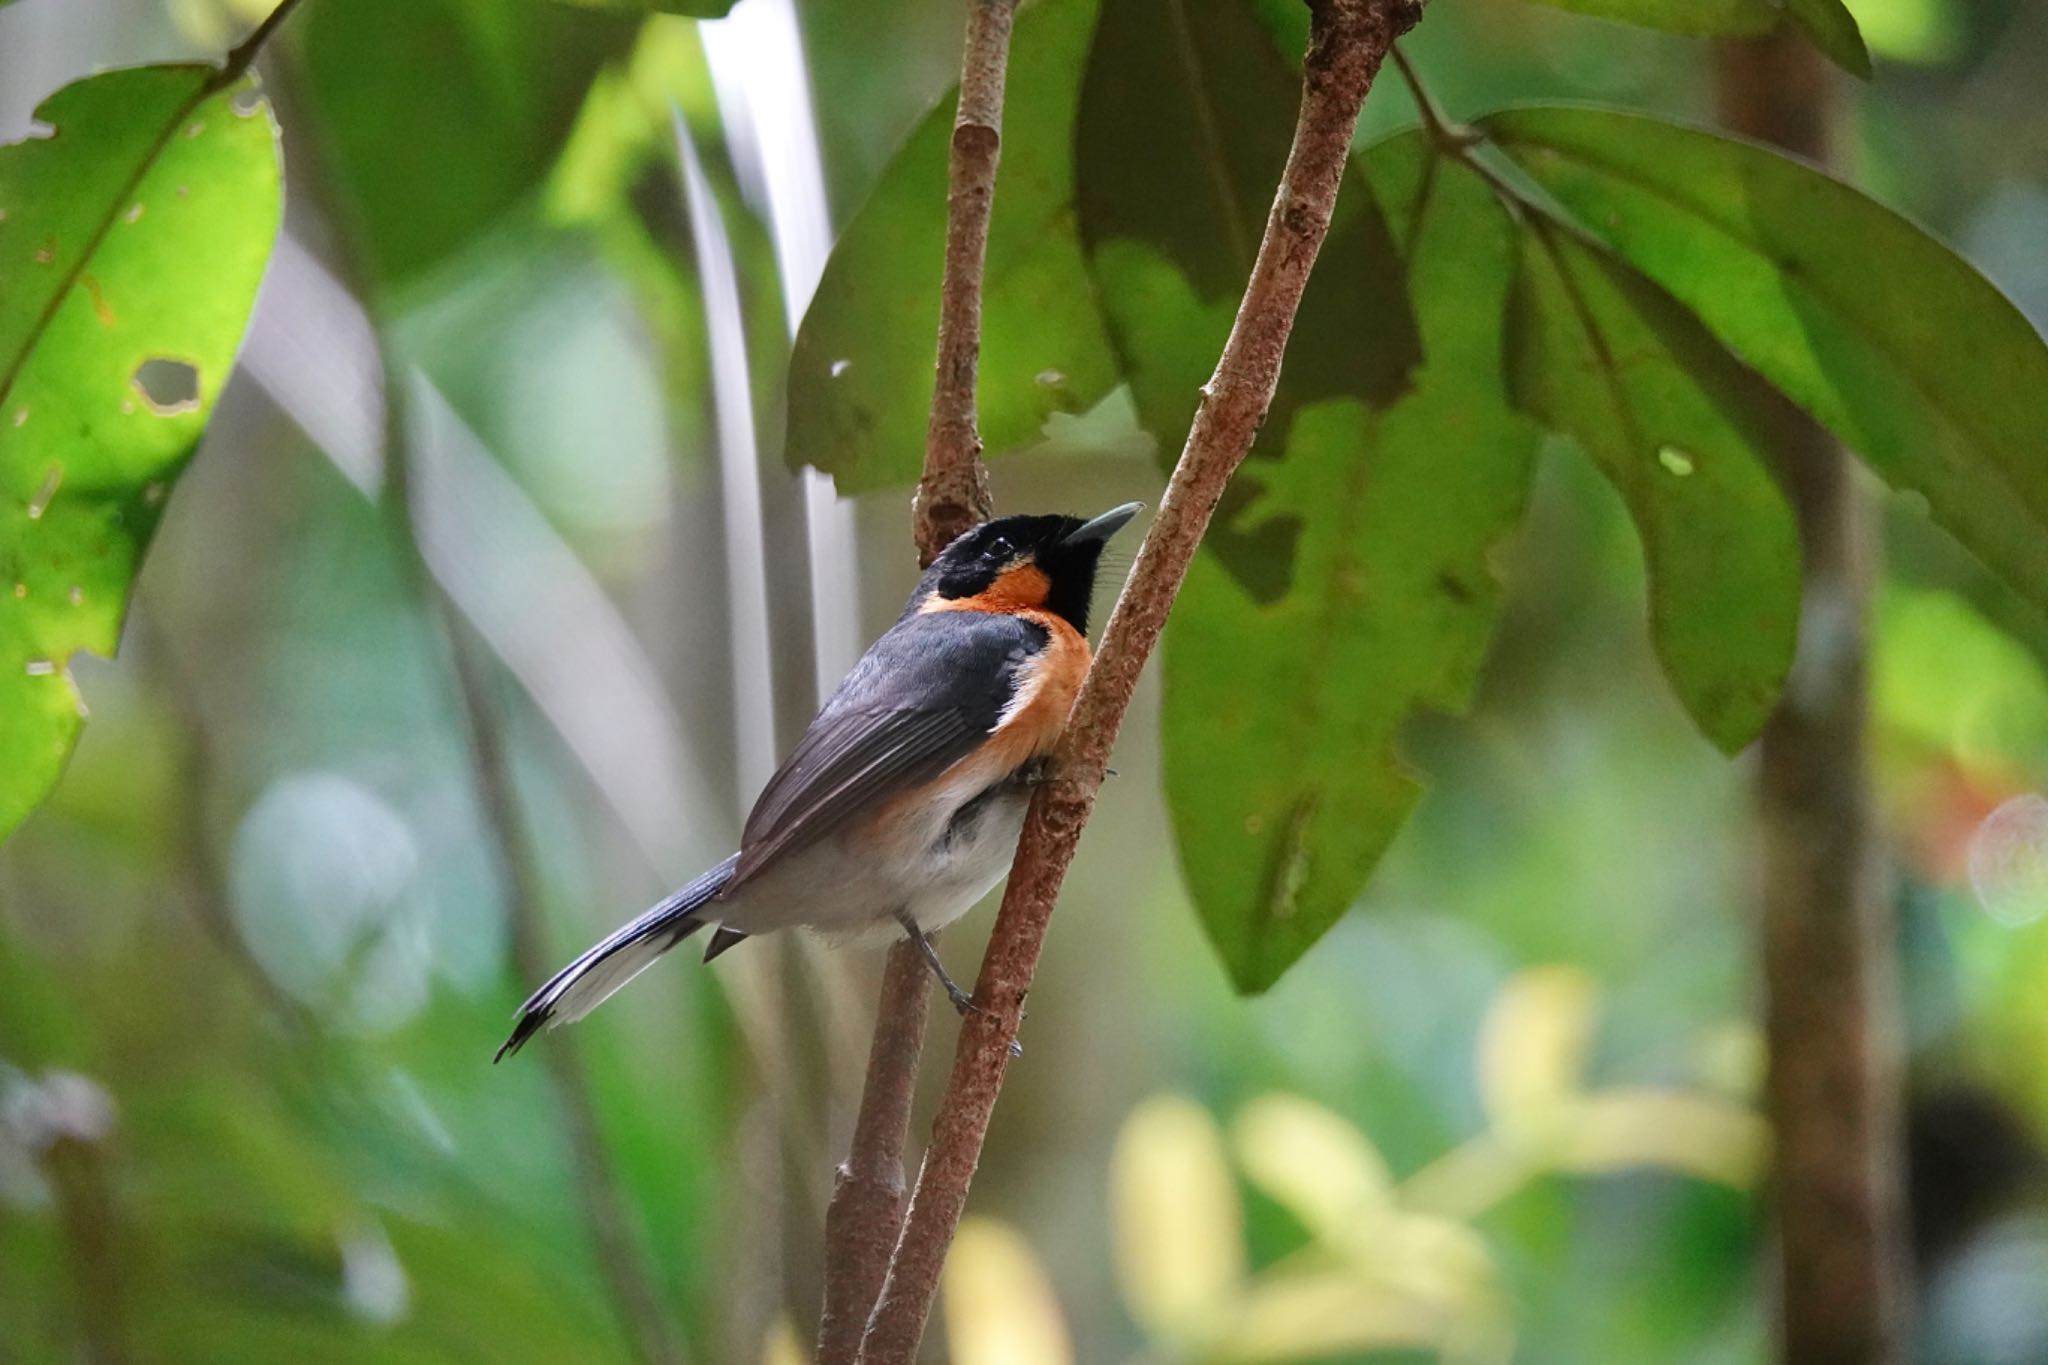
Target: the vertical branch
(1829, 964)
(1348, 39)
(865, 1216)
(866, 1212)
(953, 494)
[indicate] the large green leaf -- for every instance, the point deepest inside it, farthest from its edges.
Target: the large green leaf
(132, 241)
(1827, 22)
(1834, 31)
(1186, 116)
(1715, 18)
(860, 378)
(1282, 718)
(1683, 432)
(437, 115)
(695, 9)
(1910, 356)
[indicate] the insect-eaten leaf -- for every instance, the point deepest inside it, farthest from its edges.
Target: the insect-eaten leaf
(1186, 115)
(1282, 718)
(132, 243)
(1684, 433)
(1914, 360)
(860, 376)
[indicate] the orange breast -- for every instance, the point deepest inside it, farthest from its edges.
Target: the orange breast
(1045, 694)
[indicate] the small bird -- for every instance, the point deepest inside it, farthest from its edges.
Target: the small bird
(902, 803)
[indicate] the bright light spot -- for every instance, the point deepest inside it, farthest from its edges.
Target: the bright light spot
(840, 367)
(2009, 861)
(1675, 461)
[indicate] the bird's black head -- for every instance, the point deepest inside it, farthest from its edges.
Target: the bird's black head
(1016, 564)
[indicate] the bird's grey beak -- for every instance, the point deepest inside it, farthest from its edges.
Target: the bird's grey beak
(1104, 526)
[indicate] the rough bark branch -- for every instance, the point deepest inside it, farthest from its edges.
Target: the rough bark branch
(953, 494)
(866, 1212)
(1827, 940)
(1347, 42)
(865, 1216)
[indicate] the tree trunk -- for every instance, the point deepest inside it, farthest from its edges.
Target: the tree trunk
(1827, 935)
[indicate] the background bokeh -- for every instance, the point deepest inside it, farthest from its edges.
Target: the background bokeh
(257, 949)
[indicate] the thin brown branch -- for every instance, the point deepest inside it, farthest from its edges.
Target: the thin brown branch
(953, 494)
(865, 1216)
(866, 1212)
(1829, 959)
(1348, 40)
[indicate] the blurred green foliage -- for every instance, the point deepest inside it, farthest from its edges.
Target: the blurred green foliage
(253, 952)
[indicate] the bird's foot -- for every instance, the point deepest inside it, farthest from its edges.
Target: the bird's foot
(963, 1001)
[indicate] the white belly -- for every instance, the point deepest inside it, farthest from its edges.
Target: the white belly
(958, 846)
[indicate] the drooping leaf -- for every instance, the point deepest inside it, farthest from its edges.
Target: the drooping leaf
(1281, 718)
(1708, 18)
(1834, 31)
(695, 9)
(1683, 433)
(436, 115)
(1186, 115)
(860, 376)
(1894, 343)
(132, 241)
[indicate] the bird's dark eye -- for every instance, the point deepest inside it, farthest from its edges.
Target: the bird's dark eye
(999, 548)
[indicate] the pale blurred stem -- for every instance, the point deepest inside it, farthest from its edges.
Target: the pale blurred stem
(1348, 39)
(627, 1276)
(76, 1168)
(195, 785)
(1829, 953)
(865, 1216)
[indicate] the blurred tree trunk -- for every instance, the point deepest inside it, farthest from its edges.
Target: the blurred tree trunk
(1828, 943)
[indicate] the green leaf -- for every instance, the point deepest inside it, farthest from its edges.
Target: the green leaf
(132, 241)
(435, 116)
(1281, 718)
(1907, 354)
(1683, 433)
(1707, 18)
(860, 376)
(1834, 31)
(695, 9)
(1186, 116)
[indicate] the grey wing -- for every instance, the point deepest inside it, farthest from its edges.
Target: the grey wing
(918, 702)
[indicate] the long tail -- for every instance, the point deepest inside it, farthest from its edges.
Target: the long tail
(587, 982)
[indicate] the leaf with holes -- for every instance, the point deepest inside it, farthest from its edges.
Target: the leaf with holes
(1282, 718)
(1893, 342)
(860, 377)
(1684, 434)
(1187, 111)
(132, 241)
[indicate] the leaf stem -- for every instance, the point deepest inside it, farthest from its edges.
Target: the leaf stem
(243, 55)
(1348, 40)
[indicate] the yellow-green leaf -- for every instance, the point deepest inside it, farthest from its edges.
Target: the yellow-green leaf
(132, 241)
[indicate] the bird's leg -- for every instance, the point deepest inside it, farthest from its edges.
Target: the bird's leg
(962, 1000)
